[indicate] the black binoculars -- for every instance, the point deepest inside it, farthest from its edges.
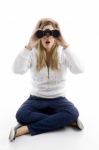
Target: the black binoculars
(47, 32)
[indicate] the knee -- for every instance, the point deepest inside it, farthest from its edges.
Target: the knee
(21, 116)
(75, 114)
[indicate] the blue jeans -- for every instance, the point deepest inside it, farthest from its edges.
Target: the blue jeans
(46, 114)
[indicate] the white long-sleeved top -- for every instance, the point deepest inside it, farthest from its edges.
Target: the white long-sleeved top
(47, 83)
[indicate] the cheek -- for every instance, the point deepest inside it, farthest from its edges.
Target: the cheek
(52, 41)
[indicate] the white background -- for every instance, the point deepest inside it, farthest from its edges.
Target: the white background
(79, 22)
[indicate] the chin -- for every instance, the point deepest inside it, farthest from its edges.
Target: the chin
(48, 47)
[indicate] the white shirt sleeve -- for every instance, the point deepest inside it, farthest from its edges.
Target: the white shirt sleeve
(22, 62)
(72, 61)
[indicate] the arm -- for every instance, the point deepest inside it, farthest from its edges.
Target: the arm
(22, 62)
(24, 59)
(72, 61)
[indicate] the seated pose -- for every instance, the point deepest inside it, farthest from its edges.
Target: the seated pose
(48, 56)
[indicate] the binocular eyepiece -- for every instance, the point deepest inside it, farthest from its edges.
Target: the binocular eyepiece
(47, 32)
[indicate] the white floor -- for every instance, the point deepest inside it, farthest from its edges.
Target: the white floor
(66, 138)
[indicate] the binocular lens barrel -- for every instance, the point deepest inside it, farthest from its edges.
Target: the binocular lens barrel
(54, 33)
(39, 34)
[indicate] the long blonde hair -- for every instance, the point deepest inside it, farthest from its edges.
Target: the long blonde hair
(41, 54)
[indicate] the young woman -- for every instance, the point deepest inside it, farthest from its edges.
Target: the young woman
(48, 56)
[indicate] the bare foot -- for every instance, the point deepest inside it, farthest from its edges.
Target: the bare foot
(22, 130)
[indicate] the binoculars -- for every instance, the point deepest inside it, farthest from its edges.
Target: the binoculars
(47, 32)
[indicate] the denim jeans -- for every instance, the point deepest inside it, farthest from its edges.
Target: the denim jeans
(46, 114)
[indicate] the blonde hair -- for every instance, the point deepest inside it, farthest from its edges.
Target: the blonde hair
(41, 54)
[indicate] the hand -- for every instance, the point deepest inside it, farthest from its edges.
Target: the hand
(60, 41)
(33, 41)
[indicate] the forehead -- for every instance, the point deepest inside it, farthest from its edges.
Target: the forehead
(48, 27)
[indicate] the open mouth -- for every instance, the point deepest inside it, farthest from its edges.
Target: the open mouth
(47, 42)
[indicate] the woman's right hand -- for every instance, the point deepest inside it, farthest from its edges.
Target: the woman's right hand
(33, 41)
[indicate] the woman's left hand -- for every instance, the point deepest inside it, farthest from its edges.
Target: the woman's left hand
(60, 41)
